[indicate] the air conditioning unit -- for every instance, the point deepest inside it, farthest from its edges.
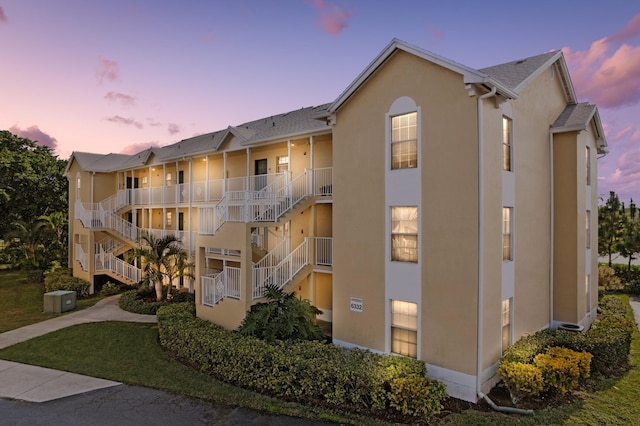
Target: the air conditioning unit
(571, 327)
(59, 301)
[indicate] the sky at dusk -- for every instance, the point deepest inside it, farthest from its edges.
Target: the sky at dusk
(122, 75)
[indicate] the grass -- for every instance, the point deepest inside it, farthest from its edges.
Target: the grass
(22, 303)
(130, 353)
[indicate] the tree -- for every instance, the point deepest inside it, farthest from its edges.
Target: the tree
(629, 242)
(610, 225)
(54, 232)
(25, 245)
(159, 258)
(282, 317)
(32, 181)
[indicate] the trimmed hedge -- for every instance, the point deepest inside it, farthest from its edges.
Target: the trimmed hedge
(61, 279)
(608, 340)
(133, 301)
(303, 371)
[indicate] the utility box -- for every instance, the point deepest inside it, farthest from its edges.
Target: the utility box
(59, 301)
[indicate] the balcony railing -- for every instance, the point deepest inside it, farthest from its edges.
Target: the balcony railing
(280, 274)
(225, 284)
(81, 256)
(324, 251)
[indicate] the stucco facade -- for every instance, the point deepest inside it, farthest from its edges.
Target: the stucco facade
(432, 210)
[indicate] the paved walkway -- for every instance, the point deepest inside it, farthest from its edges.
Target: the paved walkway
(37, 384)
(33, 396)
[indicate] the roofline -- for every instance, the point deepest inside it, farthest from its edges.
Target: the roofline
(601, 141)
(262, 141)
(567, 84)
(539, 71)
(470, 75)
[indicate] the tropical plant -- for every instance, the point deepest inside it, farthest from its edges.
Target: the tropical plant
(282, 317)
(25, 245)
(159, 256)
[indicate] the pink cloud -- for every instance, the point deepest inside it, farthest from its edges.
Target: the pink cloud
(138, 147)
(126, 121)
(153, 123)
(631, 30)
(3, 16)
(173, 128)
(107, 70)
(125, 100)
(606, 73)
(630, 132)
(333, 18)
(35, 134)
(624, 180)
(435, 32)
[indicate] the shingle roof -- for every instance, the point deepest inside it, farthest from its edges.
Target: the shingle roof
(575, 117)
(282, 126)
(513, 74)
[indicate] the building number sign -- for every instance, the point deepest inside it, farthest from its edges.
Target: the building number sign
(355, 304)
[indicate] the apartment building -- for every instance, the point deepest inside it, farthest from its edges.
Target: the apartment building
(432, 210)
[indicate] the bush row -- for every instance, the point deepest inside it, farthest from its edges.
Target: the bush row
(618, 277)
(61, 279)
(608, 340)
(136, 301)
(557, 370)
(303, 371)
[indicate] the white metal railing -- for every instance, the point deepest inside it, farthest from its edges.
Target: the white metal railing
(225, 284)
(283, 272)
(107, 262)
(324, 251)
(323, 181)
(222, 251)
(275, 255)
(109, 245)
(81, 256)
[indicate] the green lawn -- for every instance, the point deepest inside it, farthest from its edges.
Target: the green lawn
(129, 353)
(21, 303)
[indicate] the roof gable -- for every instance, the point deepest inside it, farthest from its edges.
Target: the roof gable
(577, 117)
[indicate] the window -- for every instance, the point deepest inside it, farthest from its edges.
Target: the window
(588, 229)
(404, 234)
(506, 324)
(507, 148)
(169, 178)
(588, 164)
(283, 164)
(145, 180)
(587, 292)
(507, 233)
(404, 326)
(404, 141)
(169, 218)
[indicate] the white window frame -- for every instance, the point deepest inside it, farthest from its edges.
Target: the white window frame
(588, 228)
(507, 144)
(507, 233)
(404, 138)
(588, 164)
(403, 230)
(282, 164)
(169, 218)
(404, 321)
(506, 323)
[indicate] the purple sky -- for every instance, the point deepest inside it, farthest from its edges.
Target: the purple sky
(121, 75)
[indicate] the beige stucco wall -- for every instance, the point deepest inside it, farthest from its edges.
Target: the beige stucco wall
(449, 212)
(270, 153)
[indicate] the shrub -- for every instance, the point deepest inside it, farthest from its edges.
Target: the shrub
(305, 371)
(521, 378)
(608, 340)
(627, 277)
(35, 276)
(562, 368)
(142, 300)
(608, 279)
(61, 279)
(109, 289)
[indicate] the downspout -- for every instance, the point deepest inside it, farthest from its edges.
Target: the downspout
(481, 265)
(551, 230)
(480, 239)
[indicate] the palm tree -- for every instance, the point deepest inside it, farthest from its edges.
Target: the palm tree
(25, 242)
(159, 257)
(53, 228)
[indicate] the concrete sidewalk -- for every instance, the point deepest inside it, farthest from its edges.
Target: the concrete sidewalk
(37, 384)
